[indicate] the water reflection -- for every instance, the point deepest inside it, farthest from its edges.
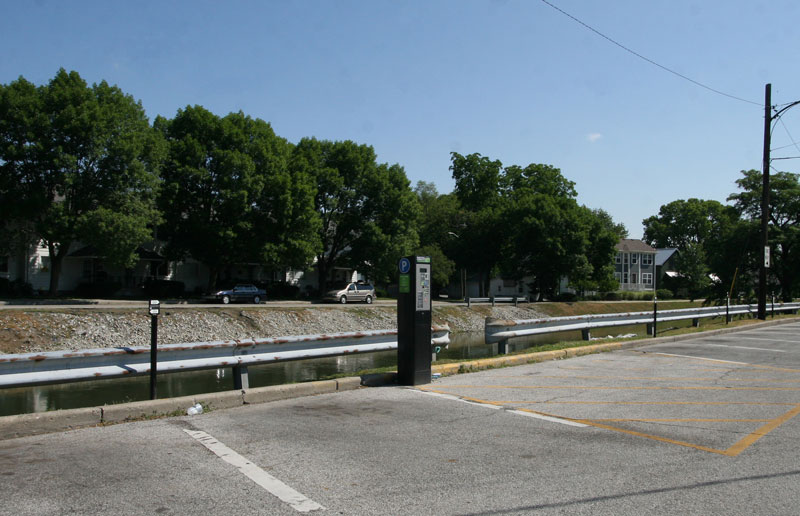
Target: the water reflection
(103, 392)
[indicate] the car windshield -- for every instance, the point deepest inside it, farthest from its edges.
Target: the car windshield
(339, 286)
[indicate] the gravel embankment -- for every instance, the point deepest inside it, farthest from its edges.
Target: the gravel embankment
(38, 331)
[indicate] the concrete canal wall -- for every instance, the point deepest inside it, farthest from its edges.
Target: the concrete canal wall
(33, 331)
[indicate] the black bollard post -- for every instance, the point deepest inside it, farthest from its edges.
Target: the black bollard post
(154, 309)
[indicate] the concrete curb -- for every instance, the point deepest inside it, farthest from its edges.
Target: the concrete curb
(23, 425)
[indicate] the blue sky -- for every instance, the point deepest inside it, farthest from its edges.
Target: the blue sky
(514, 80)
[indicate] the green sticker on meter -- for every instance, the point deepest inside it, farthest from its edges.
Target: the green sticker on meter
(405, 284)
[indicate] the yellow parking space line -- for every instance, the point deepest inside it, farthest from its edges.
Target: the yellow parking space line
(770, 368)
(679, 420)
(595, 424)
(649, 436)
(733, 451)
(748, 441)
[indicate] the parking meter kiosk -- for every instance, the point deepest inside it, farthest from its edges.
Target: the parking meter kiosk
(414, 321)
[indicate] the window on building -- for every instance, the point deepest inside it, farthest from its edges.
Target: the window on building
(624, 277)
(634, 278)
(635, 258)
(618, 258)
(647, 259)
(625, 258)
(647, 278)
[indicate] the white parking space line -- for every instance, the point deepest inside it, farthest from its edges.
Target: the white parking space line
(271, 484)
(745, 347)
(456, 398)
(525, 413)
(701, 358)
(547, 418)
(770, 339)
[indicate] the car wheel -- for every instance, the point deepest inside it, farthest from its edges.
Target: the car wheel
(368, 300)
(226, 300)
(343, 300)
(257, 300)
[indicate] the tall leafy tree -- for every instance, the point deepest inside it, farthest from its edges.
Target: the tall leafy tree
(784, 221)
(439, 227)
(682, 222)
(230, 195)
(477, 189)
(368, 211)
(81, 164)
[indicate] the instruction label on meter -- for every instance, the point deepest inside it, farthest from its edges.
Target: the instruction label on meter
(423, 290)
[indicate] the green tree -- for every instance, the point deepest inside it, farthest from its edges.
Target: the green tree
(784, 221)
(682, 222)
(230, 195)
(81, 164)
(601, 237)
(440, 221)
(477, 190)
(368, 211)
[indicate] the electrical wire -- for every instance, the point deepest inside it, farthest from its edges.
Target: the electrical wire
(791, 139)
(640, 56)
(793, 144)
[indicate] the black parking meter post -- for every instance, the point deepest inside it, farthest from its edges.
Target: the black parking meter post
(414, 321)
(154, 309)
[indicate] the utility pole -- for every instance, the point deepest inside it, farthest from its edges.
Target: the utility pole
(762, 270)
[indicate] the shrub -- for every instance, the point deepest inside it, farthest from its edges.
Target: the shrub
(102, 289)
(155, 289)
(283, 291)
(16, 288)
(664, 293)
(566, 297)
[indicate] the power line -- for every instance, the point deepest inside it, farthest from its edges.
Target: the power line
(793, 144)
(640, 56)
(791, 139)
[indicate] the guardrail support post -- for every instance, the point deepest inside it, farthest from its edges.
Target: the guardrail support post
(467, 301)
(586, 334)
(727, 310)
(502, 347)
(492, 300)
(696, 323)
(650, 329)
(241, 380)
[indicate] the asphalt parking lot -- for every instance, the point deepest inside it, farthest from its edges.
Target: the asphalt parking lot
(719, 395)
(705, 426)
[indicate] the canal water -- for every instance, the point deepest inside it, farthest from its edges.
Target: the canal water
(106, 392)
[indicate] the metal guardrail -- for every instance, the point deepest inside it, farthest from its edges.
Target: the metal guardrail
(499, 330)
(27, 369)
(499, 299)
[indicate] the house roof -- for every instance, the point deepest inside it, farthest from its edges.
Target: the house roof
(630, 245)
(662, 255)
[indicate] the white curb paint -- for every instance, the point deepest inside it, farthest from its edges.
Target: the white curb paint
(274, 486)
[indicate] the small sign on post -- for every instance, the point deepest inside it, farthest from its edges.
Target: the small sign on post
(766, 257)
(154, 308)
